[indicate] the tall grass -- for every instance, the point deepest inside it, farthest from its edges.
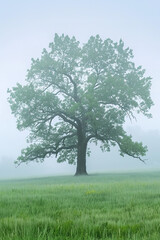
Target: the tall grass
(108, 206)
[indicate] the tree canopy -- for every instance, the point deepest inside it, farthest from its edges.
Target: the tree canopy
(76, 94)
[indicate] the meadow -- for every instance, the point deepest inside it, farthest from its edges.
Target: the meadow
(105, 206)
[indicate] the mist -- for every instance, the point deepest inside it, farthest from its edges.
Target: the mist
(28, 27)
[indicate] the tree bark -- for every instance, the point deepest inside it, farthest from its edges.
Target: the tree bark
(82, 149)
(81, 159)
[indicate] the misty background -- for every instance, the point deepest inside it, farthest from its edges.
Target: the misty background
(26, 27)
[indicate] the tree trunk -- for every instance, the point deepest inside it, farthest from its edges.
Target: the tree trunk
(81, 159)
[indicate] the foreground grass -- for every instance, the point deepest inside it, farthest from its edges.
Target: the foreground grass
(108, 206)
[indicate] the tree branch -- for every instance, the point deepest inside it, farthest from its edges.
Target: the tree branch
(65, 137)
(65, 118)
(65, 148)
(74, 86)
(129, 154)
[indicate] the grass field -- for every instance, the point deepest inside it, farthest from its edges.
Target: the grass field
(108, 206)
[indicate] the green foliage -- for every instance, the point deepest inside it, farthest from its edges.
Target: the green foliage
(80, 93)
(109, 206)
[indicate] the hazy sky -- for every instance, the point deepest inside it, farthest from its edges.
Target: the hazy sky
(26, 27)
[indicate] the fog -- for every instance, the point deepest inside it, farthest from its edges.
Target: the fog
(26, 27)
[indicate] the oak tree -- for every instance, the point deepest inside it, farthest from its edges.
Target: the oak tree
(76, 94)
